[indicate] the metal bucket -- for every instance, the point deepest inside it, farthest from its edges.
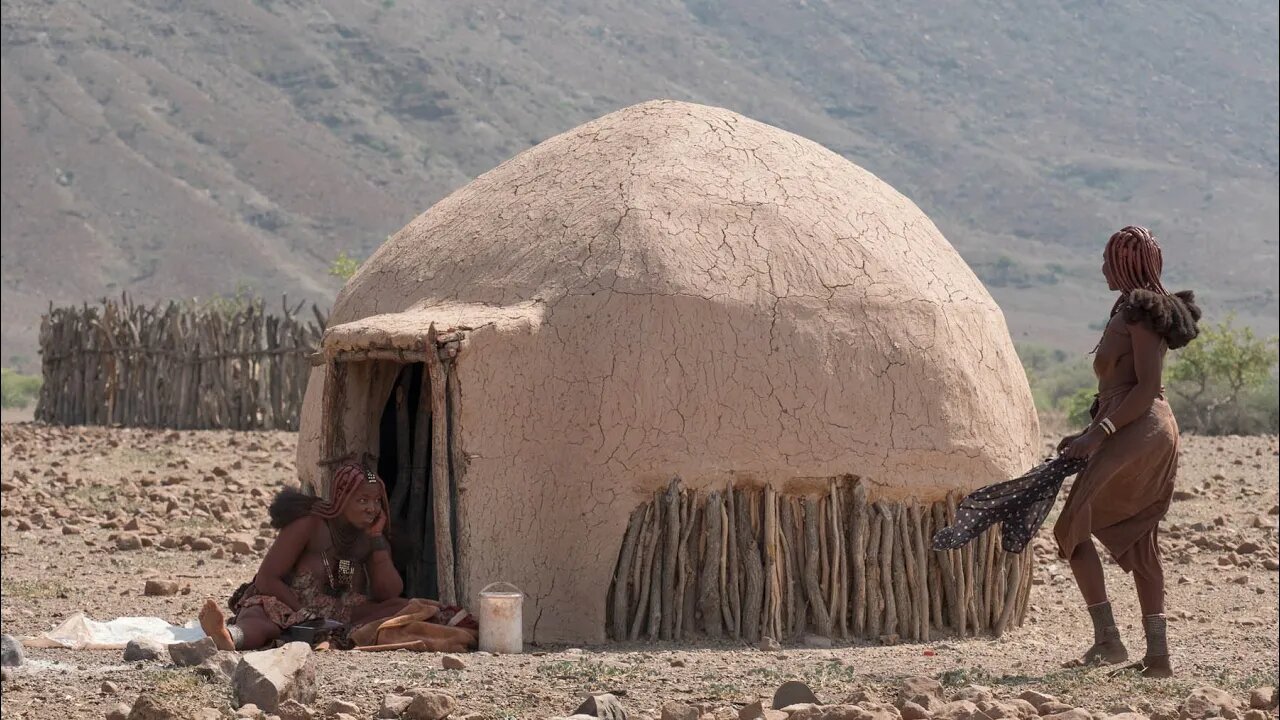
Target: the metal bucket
(502, 619)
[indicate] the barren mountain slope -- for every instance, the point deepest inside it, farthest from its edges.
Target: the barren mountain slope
(171, 148)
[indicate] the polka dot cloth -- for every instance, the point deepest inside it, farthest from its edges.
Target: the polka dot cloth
(1019, 505)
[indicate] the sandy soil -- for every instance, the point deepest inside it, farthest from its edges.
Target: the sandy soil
(69, 493)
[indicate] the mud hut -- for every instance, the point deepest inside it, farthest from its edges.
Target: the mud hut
(679, 373)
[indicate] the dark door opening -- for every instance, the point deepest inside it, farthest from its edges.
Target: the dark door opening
(404, 463)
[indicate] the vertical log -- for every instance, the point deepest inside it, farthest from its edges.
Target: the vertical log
(902, 590)
(441, 492)
(875, 598)
(689, 594)
(709, 582)
(656, 611)
(735, 574)
(1011, 591)
(752, 571)
(688, 510)
(417, 579)
(790, 542)
(650, 546)
(457, 474)
(858, 555)
(621, 586)
(886, 569)
(839, 563)
(921, 569)
(813, 590)
(671, 551)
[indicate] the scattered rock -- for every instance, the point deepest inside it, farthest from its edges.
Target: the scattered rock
(160, 588)
(149, 707)
(1263, 698)
(1248, 547)
(958, 710)
(453, 662)
(1256, 715)
(190, 654)
(793, 692)
(269, 677)
(219, 668)
(393, 705)
(203, 543)
(429, 705)
(294, 710)
(109, 688)
(604, 706)
(1072, 714)
(678, 663)
(1036, 698)
(912, 711)
(923, 691)
(768, 644)
(339, 707)
(680, 711)
(208, 713)
(249, 710)
(1127, 716)
(974, 694)
(129, 542)
(1208, 702)
(144, 650)
(1054, 707)
(10, 651)
(119, 711)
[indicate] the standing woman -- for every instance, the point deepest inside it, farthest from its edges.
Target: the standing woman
(1132, 449)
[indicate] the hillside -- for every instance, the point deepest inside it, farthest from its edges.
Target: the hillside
(170, 148)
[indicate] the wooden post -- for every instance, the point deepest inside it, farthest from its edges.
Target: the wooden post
(441, 493)
(709, 582)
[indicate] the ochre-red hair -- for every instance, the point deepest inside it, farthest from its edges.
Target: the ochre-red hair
(1135, 261)
(347, 480)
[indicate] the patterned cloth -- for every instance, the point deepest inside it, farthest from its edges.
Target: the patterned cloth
(1019, 505)
(316, 603)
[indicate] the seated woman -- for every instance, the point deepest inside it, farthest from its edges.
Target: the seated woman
(330, 561)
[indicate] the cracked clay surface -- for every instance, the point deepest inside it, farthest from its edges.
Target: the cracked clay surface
(674, 289)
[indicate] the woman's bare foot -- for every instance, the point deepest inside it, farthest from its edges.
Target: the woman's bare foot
(214, 624)
(1106, 652)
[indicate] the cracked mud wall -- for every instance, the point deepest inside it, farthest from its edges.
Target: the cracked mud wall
(676, 290)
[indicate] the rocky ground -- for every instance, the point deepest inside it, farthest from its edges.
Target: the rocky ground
(91, 515)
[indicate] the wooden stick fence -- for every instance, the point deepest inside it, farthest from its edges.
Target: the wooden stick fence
(176, 365)
(746, 562)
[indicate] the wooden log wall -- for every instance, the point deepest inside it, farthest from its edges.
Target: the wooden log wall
(748, 562)
(227, 364)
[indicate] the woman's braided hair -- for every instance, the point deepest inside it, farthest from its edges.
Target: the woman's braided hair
(1135, 260)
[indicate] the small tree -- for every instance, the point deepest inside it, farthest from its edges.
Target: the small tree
(1213, 374)
(344, 266)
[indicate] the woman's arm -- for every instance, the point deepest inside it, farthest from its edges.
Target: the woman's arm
(281, 559)
(383, 578)
(1148, 359)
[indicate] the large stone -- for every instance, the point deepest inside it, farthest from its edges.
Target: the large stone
(269, 677)
(836, 712)
(1127, 716)
(1020, 709)
(119, 711)
(1208, 702)
(149, 707)
(220, 667)
(1036, 698)
(10, 651)
(190, 654)
(958, 710)
(1072, 714)
(1053, 707)
(923, 691)
(160, 588)
(604, 706)
(392, 706)
(974, 693)
(340, 707)
(294, 710)
(144, 650)
(680, 711)
(1263, 698)
(913, 711)
(429, 705)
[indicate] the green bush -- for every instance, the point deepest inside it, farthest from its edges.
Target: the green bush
(1224, 382)
(344, 266)
(18, 390)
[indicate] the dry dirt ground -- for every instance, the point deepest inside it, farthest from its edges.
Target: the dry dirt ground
(68, 493)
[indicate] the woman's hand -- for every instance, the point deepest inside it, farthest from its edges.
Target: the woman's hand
(1067, 441)
(378, 525)
(1085, 445)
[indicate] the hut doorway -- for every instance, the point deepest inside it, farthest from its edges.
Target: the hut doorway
(398, 409)
(404, 463)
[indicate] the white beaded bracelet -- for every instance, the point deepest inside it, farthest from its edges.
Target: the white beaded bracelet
(1107, 426)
